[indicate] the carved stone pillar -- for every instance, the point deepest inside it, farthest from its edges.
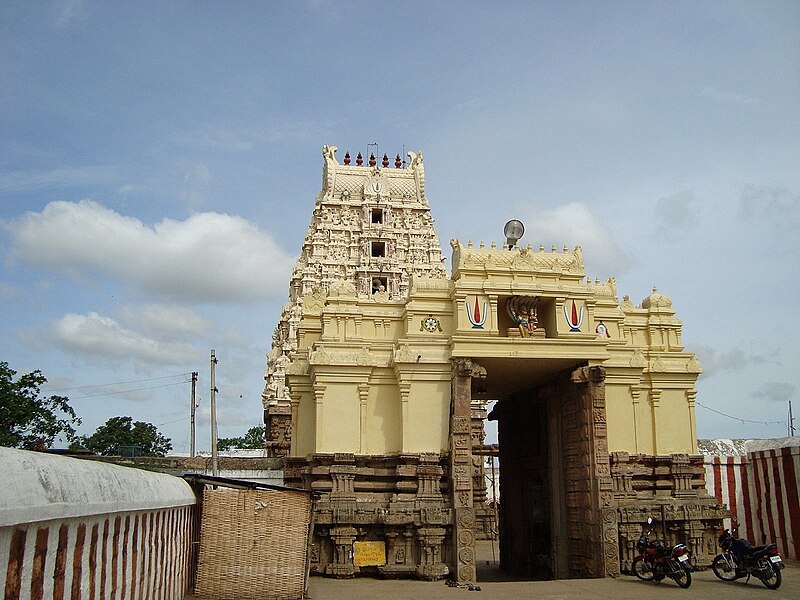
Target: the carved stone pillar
(430, 542)
(343, 478)
(429, 473)
(628, 536)
(622, 471)
(319, 393)
(461, 469)
(363, 395)
(681, 471)
(691, 396)
(342, 565)
(591, 506)
(635, 394)
(405, 390)
(655, 398)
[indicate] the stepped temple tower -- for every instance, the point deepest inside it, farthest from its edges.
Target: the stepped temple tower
(382, 366)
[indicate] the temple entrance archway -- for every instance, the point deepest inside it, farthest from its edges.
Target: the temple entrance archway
(554, 471)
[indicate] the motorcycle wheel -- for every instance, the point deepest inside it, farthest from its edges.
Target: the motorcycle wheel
(683, 578)
(770, 577)
(722, 568)
(641, 568)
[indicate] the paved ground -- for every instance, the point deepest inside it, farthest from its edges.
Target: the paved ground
(704, 586)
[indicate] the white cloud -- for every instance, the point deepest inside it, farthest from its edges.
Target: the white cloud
(96, 335)
(209, 257)
(164, 321)
(574, 224)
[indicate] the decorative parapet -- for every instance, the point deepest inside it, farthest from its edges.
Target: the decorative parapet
(519, 260)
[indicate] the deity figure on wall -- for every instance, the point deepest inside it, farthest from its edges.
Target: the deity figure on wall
(523, 312)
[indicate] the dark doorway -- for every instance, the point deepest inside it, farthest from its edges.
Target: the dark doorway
(531, 486)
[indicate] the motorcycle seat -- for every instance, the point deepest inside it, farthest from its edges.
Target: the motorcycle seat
(760, 549)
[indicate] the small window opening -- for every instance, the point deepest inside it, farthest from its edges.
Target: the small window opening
(378, 249)
(377, 215)
(378, 284)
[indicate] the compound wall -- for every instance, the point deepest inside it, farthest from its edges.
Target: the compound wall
(78, 529)
(761, 489)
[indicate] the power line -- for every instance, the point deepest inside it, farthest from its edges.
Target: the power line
(739, 418)
(117, 392)
(99, 385)
(171, 422)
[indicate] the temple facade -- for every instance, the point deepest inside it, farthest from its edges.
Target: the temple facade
(382, 366)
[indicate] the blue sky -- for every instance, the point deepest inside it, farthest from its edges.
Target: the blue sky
(159, 163)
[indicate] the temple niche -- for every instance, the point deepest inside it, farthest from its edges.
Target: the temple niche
(382, 367)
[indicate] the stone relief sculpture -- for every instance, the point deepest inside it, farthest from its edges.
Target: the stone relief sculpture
(523, 312)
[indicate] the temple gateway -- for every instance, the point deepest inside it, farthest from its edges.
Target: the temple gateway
(382, 366)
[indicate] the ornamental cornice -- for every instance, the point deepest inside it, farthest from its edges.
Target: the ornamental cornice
(361, 358)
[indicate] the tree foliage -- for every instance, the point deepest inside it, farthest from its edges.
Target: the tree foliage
(252, 440)
(27, 419)
(121, 435)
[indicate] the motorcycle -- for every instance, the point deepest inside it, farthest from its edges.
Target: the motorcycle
(656, 561)
(739, 558)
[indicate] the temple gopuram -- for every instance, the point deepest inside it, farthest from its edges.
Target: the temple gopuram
(382, 366)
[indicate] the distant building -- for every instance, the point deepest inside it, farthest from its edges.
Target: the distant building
(381, 367)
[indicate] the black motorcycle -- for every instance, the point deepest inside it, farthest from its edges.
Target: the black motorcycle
(656, 561)
(739, 558)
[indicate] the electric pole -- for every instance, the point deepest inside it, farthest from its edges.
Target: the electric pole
(193, 411)
(791, 421)
(214, 465)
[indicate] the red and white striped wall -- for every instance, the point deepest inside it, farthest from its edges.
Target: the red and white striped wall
(761, 489)
(121, 556)
(82, 530)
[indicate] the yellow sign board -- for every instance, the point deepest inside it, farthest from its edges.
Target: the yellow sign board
(369, 554)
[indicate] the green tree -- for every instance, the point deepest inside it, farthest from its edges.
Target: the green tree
(122, 435)
(252, 440)
(27, 419)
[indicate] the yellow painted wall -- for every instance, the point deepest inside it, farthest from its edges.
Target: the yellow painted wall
(673, 427)
(384, 423)
(620, 419)
(390, 352)
(304, 440)
(429, 413)
(341, 410)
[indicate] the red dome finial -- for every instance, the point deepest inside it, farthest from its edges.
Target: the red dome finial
(385, 160)
(347, 157)
(359, 159)
(372, 160)
(397, 162)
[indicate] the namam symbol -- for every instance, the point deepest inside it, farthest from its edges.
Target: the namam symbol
(474, 315)
(574, 318)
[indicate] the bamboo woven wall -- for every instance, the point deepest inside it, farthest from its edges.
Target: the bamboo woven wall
(253, 544)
